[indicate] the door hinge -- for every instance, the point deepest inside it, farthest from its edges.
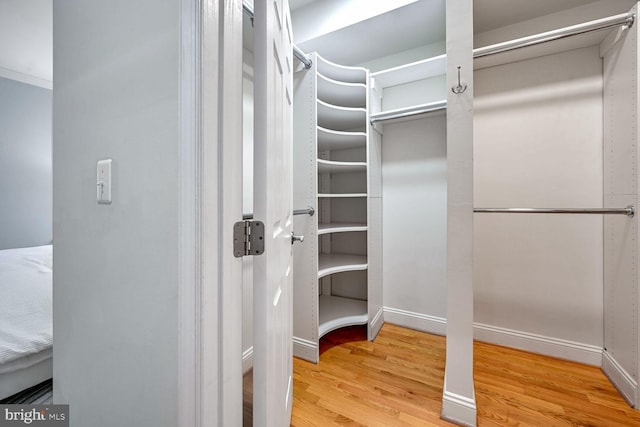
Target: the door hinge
(248, 238)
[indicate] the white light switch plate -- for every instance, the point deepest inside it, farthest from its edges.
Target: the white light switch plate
(103, 185)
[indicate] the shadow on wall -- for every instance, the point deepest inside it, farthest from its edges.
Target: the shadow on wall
(25, 165)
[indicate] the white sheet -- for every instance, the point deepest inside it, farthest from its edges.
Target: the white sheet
(26, 325)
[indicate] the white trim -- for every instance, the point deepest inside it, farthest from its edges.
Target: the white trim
(540, 344)
(620, 379)
(222, 136)
(209, 282)
(376, 324)
(305, 349)
(556, 347)
(25, 78)
(247, 360)
(190, 244)
(458, 409)
(417, 321)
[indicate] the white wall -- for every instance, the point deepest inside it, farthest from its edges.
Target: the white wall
(538, 143)
(116, 73)
(25, 165)
(26, 29)
(414, 213)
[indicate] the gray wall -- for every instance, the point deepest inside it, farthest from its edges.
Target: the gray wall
(25, 165)
(538, 142)
(414, 174)
(116, 79)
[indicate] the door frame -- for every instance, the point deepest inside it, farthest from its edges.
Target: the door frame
(209, 291)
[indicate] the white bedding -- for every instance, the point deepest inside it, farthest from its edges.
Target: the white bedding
(26, 326)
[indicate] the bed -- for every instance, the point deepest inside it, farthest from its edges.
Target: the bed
(26, 328)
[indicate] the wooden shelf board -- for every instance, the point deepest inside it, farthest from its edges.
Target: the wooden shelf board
(341, 73)
(339, 196)
(339, 140)
(341, 118)
(412, 72)
(330, 166)
(339, 263)
(343, 94)
(338, 312)
(341, 227)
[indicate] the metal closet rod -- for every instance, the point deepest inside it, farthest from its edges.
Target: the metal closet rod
(626, 19)
(308, 211)
(407, 112)
(248, 9)
(628, 211)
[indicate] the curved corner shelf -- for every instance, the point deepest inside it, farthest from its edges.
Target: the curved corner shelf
(340, 227)
(341, 118)
(341, 73)
(339, 140)
(343, 196)
(339, 263)
(338, 312)
(339, 93)
(330, 166)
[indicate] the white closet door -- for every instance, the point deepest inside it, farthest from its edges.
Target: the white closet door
(273, 198)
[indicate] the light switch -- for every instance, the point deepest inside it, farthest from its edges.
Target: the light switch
(103, 185)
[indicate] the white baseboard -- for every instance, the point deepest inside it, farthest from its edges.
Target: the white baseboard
(376, 324)
(417, 321)
(564, 349)
(621, 380)
(458, 409)
(305, 349)
(247, 360)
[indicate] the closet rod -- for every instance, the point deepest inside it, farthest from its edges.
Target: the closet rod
(302, 57)
(408, 112)
(628, 211)
(248, 9)
(586, 27)
(308, 211)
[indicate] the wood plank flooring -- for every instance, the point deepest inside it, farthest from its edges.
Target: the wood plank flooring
(397, 381)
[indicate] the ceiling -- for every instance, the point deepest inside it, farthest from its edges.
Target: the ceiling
(26, 29)
(296, 4)
(417, 24)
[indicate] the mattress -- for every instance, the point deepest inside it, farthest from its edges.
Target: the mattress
(26, 327)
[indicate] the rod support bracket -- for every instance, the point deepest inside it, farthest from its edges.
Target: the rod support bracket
(631, 19)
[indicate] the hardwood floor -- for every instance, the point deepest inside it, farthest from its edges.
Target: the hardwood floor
(397, 380)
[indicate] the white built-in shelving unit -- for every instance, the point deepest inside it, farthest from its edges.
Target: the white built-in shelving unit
(334, 283)
(409, 90)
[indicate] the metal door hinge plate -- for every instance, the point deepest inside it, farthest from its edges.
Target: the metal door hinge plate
(248, 238)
